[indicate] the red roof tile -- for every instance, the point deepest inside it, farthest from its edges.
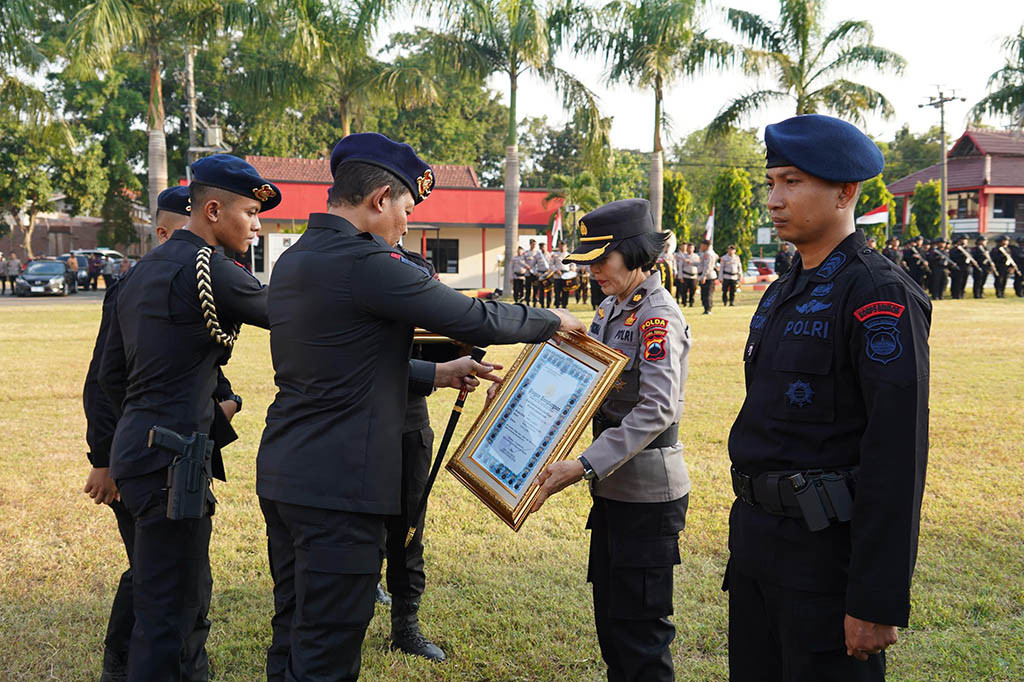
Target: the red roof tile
(318, 171)
(967, 171)
(994, 142)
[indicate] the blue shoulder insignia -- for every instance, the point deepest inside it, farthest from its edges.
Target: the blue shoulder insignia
(400, 257)
(831, 266)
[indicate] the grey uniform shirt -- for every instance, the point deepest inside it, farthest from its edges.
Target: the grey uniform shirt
(730, 267)
(540, 263)
(649, 329)
(519, 267)
(13, 267)
(707, 263)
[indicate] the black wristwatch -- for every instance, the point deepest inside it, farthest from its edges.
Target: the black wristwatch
(588, 471)
(238, 401)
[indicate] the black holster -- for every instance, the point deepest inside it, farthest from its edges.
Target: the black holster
(188, 477)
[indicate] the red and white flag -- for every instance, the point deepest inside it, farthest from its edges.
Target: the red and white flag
(875, 216)
(709, 231)
(556, 231)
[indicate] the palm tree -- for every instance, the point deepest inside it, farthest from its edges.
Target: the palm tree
(808, 64)
(150, 28)
(17, 49)
(580, 190)
(512, 38)
(1008, 97)
(652, 44)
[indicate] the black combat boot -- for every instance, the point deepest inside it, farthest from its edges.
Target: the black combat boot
(115, 667)
(405, 632)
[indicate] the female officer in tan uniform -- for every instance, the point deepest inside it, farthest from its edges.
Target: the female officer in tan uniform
(635, 465)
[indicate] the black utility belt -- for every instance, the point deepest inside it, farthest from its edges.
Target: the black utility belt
(665, 439)
(819, 497)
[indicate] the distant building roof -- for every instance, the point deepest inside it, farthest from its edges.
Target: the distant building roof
(283, 169)
(966, 163)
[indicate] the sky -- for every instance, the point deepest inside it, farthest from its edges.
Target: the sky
(956, 48)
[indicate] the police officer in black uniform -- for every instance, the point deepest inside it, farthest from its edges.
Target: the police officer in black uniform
(830, 446)
(915, 261)
(964, 264)
(329, 469)
(984, 267)
(1017, 253)
(893, 252)
(940, 266)
(1004, 264)
(101, 421)
(783, 260)
(160, 365)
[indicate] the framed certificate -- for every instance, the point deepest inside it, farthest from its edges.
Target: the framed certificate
(545, 402)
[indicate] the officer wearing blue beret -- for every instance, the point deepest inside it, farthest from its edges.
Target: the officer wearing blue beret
(830, 446)
(101, 421)
(172, 324)
(329, 469)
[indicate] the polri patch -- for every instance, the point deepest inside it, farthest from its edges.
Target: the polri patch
(624, 335)
(816, 329)
(813, 306)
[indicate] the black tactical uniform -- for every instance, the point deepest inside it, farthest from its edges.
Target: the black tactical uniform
(1004, 264)
(160, 365)
(916, 264)
(963, 261)
(1017, 253)
(329, 468)
(837, 381)
(830, 446)
(895, 255)
(939, 265)
(984, 267)
(101, 421)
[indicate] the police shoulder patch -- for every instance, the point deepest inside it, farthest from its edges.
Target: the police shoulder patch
(403, 259)
(654, 333)
(882, 342)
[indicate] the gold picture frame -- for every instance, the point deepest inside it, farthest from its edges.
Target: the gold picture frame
(546, 400)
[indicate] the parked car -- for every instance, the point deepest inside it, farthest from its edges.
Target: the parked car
(83, 261)
(45, 276)
(760, 270)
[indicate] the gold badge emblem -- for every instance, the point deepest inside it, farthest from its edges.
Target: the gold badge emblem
(583, 229)
(631, 320)
(600, 313)
(619, 384)
(265, 192)
(637, 298)
(425, 183)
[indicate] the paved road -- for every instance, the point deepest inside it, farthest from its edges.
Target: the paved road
(82, 298)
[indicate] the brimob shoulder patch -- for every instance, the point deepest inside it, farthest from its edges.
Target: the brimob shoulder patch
(400, 257)
(882, 342)
(872, 310)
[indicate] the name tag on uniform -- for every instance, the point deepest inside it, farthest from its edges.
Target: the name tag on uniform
(817, 329)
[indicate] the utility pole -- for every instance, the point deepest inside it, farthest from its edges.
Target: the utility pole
(939, 102)
(190, 95)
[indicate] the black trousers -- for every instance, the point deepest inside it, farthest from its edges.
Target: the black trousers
(937, 281)
(170, 562)
(531, 284)
(687, 291)
(706, 290)
(518, 285)
(728, 291)
(1000, 283)
(11, 278)
(777, 634)
(1018, 285)
(195, 664)
(633, 550)
(406, 577)
(559, 292)
(958, 282)
(325, 565)
(979, 276)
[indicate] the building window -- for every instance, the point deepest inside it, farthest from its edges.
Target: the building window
(962, 204)
(444, 254)
(1004, 205)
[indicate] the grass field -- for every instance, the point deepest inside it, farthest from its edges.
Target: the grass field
(510, 606)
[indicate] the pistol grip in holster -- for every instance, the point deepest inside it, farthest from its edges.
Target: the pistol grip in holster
(189, 474)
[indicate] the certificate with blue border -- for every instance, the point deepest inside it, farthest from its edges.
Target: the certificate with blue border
(545, 402)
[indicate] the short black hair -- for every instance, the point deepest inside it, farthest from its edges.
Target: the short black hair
(705, 242)
(642, 250)
(355, 180)
(199, 193)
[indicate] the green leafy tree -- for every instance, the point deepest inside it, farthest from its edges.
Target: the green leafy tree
(26, 185)
(701, 161)
(808, 64)
(653, 44)
(545, 152)
(926, 209)
(910, 152)
(625, 176)
(1006, 96)
(511, 38)
(732, 198)
(19, 49)
(580, 190)
(678, 206)
(873, 194)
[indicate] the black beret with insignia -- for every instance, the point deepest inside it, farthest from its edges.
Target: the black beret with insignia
(826, 147)
(232, 174)
(174, 200)
(383, 152)
(603, 228)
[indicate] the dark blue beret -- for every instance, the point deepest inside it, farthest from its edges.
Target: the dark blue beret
(174, 200)
(603, 228)
(378, 150)
(823, 146)
(235, 175)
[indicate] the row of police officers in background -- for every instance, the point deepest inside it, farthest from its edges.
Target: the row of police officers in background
(938, 264)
